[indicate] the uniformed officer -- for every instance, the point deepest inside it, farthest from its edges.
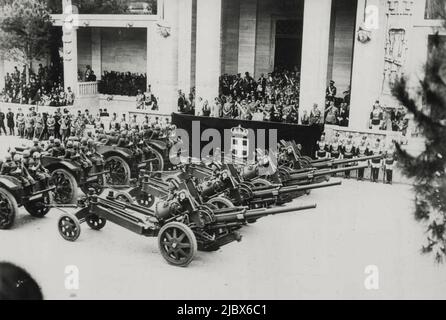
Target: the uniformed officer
(362, 151)
(376, 164)
(348, 152)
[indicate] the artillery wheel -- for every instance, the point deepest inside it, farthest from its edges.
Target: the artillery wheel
(39, 208)
(97, 185)
(177, 244)
(119, 171)
(158, 164)
(261, 183)
(69, 227)
(8, 209)
(95, 222)
(66, 186)
(221, 203)
(245, 193)
(143, 199)
(124, 197)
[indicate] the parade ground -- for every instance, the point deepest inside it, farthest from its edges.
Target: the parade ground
(328, 252)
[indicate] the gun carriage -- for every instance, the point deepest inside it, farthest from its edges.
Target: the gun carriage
(180, 225)
(36, 199)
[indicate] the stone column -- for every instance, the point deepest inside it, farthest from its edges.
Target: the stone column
(96, 52)
(368, 65)
(247, 36)
(208, 61)
(69, 40)
(185, 45)
(315, 46)
(162, 57)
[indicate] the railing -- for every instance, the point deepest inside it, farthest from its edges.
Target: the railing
(87, 88)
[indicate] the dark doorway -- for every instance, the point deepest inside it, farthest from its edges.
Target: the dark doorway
(288, 44)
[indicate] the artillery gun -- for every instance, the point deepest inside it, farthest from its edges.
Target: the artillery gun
(181, 227)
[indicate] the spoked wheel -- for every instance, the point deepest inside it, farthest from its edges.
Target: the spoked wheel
(39, 208)
(144, 199)
(124, 197)
(69, 227)
(66, 186)
(95, 222)
(119, 171)
(8, 209)
(157, 163)
(245, 193)
(177, 244)
(221, 203)
(97, 185)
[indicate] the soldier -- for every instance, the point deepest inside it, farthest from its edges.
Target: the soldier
(51, 124)
(362, 151)
(21, 171)
(389, 163)
(375, 163)
(69, 151)
(29, 127)
(93, 154)
(122, 141)
(36, 147)
(348, 151)
(322, 152)
(38, 126)
(376, 116)
(82, 158)
(134, 123)
(21, 124)
(50, 144)
(8, 166)
(58, 150)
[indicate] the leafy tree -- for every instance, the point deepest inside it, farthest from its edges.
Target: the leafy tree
(25, 31)
(428, 169)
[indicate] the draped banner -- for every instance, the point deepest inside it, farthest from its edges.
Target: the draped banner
(307, 136)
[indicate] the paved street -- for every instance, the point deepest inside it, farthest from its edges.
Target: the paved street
(320, 253)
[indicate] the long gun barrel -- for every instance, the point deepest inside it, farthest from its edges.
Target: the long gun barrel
(290, 189)
(257, 213)
(324, 172)
(331, 162)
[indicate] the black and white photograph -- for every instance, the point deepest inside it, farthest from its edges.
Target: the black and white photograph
(225, 150)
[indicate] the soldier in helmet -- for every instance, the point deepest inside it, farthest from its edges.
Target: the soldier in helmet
(92, 153)
(8, 166)
(389, 162)
(376, 164)
(50, 144)
(21, 171)
(36, 147)
(39, 172)
(123, 141)
(58, 150)
(80, 157)
(362, 151)
(69, 151)
(348, 152)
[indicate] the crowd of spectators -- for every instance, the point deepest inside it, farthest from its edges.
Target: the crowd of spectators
(44, 87)
(122, 83)
(337, 109)
(274, 97)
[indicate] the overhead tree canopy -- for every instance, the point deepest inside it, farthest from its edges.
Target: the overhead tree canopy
(25, 30)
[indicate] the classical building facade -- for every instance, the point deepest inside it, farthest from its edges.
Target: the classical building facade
(360, 44)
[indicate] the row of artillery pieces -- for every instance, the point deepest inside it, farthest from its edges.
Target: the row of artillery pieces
(197, 205)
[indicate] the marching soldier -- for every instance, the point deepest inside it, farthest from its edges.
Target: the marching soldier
(348, 152)
(375, 163)
(362, 151)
